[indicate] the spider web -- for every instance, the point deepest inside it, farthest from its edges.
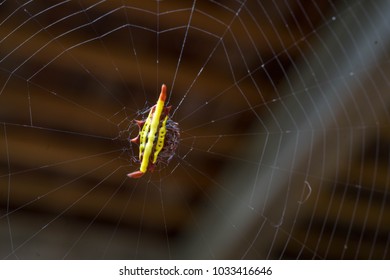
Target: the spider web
(284, 129)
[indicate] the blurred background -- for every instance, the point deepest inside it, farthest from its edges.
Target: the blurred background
(283, 109)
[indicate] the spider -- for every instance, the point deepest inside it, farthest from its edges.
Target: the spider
(158, 137)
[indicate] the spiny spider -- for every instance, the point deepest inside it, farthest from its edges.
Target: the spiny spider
(158, 137)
